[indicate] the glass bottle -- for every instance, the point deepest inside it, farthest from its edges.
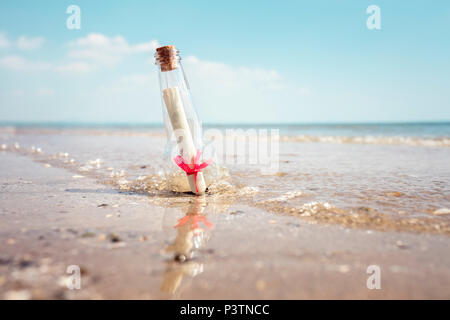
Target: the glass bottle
(185, 159)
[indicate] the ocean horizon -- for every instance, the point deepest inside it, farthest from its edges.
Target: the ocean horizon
(403, 129)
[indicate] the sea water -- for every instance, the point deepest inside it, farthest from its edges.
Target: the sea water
(380, 176)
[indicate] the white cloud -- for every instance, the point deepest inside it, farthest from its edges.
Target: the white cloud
(14, 62)
(222, 77)
(22, 43)
(75, 67)
(221, 93)
(26, 43)
(85, 54)
(225, 93)
(4, 42)
(99, 49)
(145, 47)
(136, 83)
(18, 63)
(137, 79)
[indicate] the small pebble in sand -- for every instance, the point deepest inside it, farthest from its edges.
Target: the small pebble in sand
(102, 205)
(4, 146)
(88, 234)
(47, 165)
(73, 231)
(26, 261)
(180, 258)
(77, 176)
(108, 216)
(16, 145)
(272, 221)
(11, 241)
(442, 211)
(400, 244)
(114, 237)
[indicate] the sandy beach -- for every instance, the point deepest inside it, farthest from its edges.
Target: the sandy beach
(96, 199)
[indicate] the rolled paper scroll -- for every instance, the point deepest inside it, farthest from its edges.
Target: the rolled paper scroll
(183, 136)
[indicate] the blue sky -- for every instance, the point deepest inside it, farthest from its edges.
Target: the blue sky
(247, 61)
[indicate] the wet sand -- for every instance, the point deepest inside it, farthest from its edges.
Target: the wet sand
(125, 242)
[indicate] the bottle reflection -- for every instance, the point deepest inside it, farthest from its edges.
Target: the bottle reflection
(192, 234)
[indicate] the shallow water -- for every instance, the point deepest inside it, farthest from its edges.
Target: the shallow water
(362, 180)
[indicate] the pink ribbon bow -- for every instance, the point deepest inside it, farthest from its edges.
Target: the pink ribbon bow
(196, 167)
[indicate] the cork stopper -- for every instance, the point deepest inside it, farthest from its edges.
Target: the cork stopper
(167, 57)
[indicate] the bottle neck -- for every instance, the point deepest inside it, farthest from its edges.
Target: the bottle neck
(171, 75)
(173, 78)
(176, 78)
